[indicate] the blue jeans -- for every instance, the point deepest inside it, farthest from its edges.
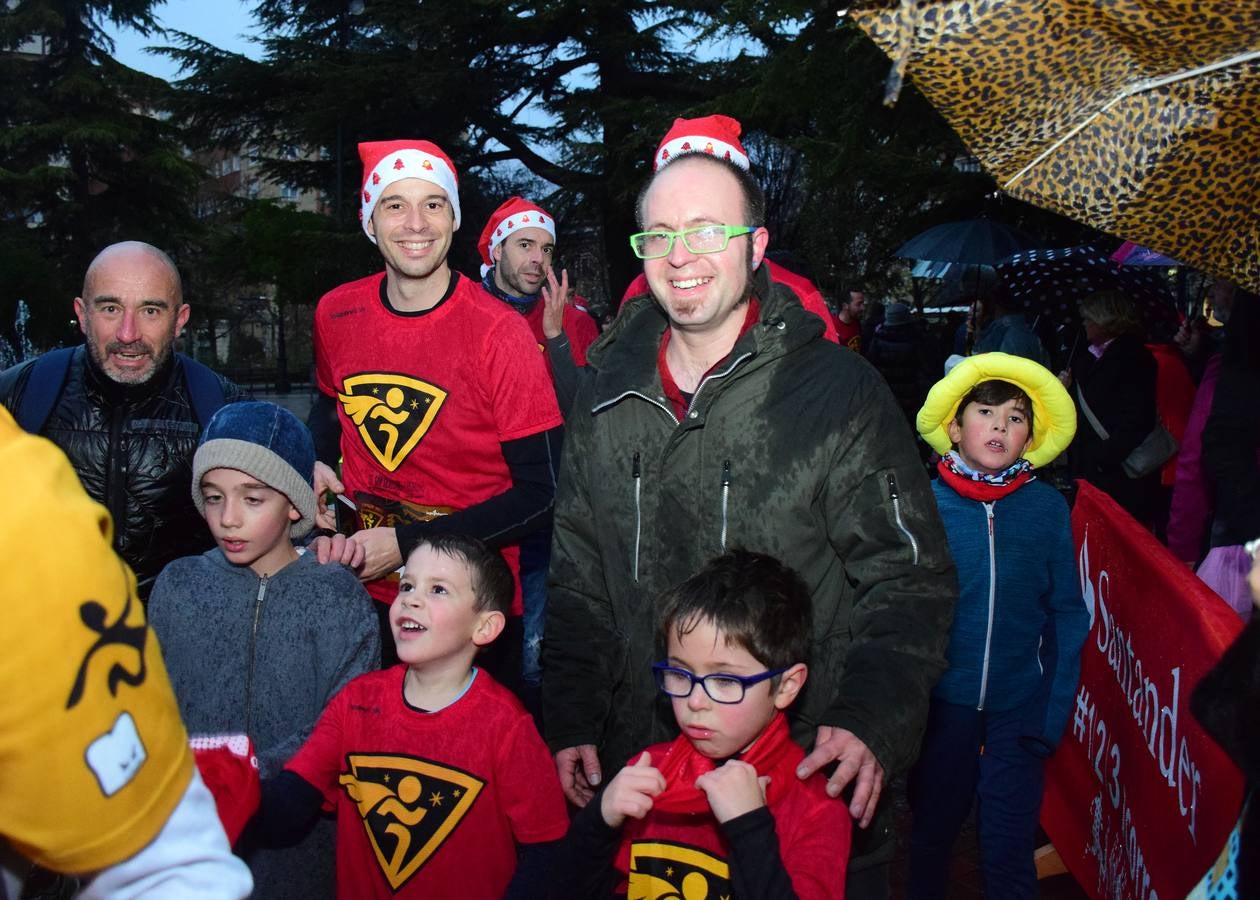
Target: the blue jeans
(535, 559)
(1006, 782)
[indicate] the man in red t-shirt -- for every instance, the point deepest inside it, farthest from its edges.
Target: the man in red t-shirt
(719, 136)
(849, 318)
(434, 395)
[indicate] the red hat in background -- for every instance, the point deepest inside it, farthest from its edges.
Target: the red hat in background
(715, 135)
(512, 215)
(385, 162)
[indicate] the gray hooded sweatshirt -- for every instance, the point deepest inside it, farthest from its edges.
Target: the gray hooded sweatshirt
(263, 656)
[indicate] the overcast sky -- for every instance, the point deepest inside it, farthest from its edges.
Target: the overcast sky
(224, 23)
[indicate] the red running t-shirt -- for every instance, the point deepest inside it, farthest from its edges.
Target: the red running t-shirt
(426, 399)
(431, 804)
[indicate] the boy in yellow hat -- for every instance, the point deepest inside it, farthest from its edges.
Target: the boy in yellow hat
(1014, 649)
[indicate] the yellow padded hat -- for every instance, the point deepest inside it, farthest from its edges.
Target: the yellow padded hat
(93, 755)
(1054, 414)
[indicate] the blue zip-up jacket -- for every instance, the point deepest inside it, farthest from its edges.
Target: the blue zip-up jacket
(1020, 621)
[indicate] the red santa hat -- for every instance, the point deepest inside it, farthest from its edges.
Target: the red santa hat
(514, 214)
(385, 162)
(716, 135)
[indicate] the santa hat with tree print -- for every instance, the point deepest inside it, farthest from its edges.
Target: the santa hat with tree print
(385, 162)
(715, 135)
(512, 215)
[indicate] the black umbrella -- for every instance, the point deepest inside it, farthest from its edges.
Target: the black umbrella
(1049, 283)
(974, 241)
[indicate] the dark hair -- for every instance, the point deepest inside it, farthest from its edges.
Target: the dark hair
(756, 601)
(1112, 311)
(754, 196)
(489, 575)
(995, 393)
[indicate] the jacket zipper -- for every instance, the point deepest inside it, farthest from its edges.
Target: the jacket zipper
(637, 474)
(116, 473)
(895, 497)
(726, 494)
(988, 631)
(659, 404)
(253, 642)
(713, 377)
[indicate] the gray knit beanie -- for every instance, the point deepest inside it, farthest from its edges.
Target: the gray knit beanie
(267, 442)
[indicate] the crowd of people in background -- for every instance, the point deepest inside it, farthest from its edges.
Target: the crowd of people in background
(524, 611)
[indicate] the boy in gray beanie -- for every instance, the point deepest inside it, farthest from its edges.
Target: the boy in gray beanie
(257, 637)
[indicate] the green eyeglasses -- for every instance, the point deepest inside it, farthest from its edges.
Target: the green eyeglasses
(703, 239)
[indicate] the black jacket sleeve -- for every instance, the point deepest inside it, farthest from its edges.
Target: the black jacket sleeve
(505, 518)
(533, 868)
(325, 429)
(756, 866)
(287, 811)
(584, 862)
(564, 371)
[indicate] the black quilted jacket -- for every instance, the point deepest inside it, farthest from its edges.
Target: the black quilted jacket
(132, 446)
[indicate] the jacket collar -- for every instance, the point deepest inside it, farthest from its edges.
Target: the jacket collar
(624, 358)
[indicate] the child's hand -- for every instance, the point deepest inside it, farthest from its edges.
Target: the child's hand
(733, 789)
(630, 793)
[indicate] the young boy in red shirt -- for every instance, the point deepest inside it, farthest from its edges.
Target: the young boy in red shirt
(719, 812)
(441, 785)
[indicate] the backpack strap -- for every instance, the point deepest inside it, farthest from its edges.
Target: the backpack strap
(205, 389)
(43, 387)
(48, 377)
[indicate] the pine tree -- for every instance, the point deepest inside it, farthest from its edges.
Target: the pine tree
(86, 155)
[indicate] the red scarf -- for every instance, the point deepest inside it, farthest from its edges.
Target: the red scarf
(979, 490)
(772, 754)
(672, 392)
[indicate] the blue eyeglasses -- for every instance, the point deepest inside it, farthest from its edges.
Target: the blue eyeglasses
(721, 687)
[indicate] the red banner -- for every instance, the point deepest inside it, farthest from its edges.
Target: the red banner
(1139, 800)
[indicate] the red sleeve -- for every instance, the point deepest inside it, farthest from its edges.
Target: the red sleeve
(582, 332)
(636, 288)
(319, 760)
(529, 786)
(517, 382)
(323, 371)
(815, 848)
(809, 295)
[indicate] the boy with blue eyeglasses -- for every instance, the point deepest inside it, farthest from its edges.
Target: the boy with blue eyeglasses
(719, 811)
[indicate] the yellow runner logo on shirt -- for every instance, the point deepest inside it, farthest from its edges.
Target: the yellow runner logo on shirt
(392, 412)
(660, 870)
(409, 806)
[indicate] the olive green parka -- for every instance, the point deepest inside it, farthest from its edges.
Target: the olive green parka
(792, 446)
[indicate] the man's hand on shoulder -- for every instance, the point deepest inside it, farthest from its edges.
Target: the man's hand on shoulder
(854, 759)
(733, 789)
(380, 552)
(630, 793)
(578, 768)
(338, 549)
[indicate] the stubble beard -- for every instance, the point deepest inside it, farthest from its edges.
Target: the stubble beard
(157, 359)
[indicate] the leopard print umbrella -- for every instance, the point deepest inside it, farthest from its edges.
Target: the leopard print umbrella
(1138, 117)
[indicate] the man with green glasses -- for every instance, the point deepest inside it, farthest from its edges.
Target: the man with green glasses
(716, 416)
(719, 136)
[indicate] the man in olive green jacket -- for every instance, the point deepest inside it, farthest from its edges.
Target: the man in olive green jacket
(715, 416)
